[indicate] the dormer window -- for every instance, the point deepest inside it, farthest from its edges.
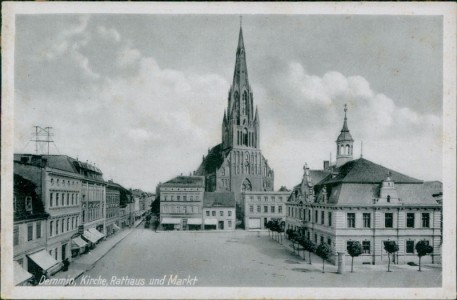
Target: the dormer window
(388, 198)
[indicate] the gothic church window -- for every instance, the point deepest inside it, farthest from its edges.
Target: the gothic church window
(244, 104)
(246, 186)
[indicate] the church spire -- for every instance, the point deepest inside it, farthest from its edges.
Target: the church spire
(240, 76)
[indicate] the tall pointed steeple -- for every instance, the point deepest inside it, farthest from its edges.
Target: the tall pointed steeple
(344, 143)
(241, 121)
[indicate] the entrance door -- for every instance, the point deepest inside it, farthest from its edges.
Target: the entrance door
(184, 224)
(221, 224)
(64, 252)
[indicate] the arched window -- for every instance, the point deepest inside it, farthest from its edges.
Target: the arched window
(246, 186)
(245, 136)
(347, 150)
(245, 103)
(342, 150)
(388, 198)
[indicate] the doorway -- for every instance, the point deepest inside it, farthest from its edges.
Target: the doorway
(221, 225)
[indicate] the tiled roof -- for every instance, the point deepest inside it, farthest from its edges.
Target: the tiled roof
(212, 161)
(363, 194)
(187, 181)
(219, 199)
(365, 171)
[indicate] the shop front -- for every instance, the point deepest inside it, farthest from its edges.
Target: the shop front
(194, 224)
(42, 264)
(21, 276)
(210, 224)
(171, 223)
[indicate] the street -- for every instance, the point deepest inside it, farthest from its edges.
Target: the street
(229, 259)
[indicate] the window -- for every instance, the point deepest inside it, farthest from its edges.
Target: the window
(329, 218)
(184, 198)
(29, 232)
(315, 216)
(322, 217)
(50, 199)
(280, 209)
(265, 209)
(207, 213)
(63, 199)
(388, 220)
(366, 220)
(366, 247)
(351, 220)
(229, 213)
(272, 209)
(62, 227)
(315, 238)
(410, 220)
(229, 224)
(68, 224)
(72, 199)
(221, 213)
(388, 198)
(409, 246)
(329, 241)
(259, 209)
(213, 213)
(28, 203)
(251, 208)
(16, 235)
(38, 230)
(322, 239)
(57, 199)
(309, 215)
(348, 244)
(425, 220)
(178, 198)
(57, 227)
(50, 228)
(68, 199)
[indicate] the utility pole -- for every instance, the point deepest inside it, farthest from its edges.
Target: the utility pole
(42, 135)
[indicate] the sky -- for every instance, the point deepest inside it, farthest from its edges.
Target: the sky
(143, 96)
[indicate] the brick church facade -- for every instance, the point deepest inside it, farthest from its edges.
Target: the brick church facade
(237, 164)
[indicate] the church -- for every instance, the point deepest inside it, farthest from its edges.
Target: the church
(237, 164)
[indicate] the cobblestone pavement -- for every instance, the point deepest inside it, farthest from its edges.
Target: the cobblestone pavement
(238, 258)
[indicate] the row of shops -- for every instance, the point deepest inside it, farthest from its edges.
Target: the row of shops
(196, 224)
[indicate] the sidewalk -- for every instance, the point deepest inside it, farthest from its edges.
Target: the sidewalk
(317, 261)
(87, 261)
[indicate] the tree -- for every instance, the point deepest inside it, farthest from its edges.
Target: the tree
(354, 250)
(391, 247)
(292, 237)
(422, 249)
(310, 247)
(269, 225)
(324, 251)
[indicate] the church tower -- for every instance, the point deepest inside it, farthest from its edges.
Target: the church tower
(344, 143)
(240, 125)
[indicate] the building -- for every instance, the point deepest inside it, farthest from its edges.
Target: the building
(93, 201)
(261, 207)
(181, 202)
(29, 234)
(237, 164)
(59, 188)
(113, 204)
(219, 211)
(360, 200)
(126, 200)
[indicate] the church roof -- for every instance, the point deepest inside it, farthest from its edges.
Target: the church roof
(219, 199)
(213, 160)
(364, 171)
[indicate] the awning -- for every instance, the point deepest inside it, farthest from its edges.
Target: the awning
(210, 221)
(20, 275)
(194, 221)
(43, 259)
(90, 237)
(96, 233)
(116, 227)
(78, 243)
(171, 221)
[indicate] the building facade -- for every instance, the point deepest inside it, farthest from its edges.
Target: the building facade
(29, 232)
(261, 207)
(219, 211)
(59, 185)
(237, 164)
(362, 201)
(181, 202)
(113, 203)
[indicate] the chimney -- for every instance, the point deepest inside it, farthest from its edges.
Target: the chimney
(326, 164)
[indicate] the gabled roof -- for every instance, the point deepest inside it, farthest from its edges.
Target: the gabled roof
(365, 171)
(219, 199)
(186, 181)
(212, 161)
(316, 177)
